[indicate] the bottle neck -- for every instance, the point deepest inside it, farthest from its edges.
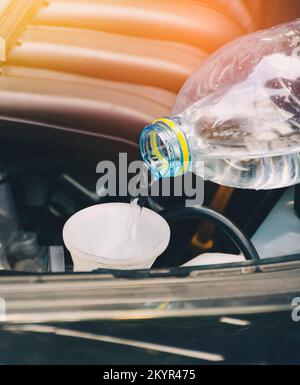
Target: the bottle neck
(165, 149)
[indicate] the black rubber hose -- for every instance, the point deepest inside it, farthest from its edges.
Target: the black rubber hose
(241, 240)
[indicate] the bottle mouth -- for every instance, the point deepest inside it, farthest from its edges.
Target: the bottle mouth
(165, 149)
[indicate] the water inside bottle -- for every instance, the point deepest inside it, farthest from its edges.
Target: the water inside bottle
(241, 111)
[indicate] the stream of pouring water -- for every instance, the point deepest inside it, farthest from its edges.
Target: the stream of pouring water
(128, 245)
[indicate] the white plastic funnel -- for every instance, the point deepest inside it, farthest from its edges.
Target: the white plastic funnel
(99, 237)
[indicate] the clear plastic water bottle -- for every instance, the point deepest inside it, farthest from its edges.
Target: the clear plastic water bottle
(239, 114)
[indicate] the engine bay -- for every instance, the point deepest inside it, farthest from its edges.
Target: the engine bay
(42, 186)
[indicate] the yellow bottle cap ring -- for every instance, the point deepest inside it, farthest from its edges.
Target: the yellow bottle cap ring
(184, 147)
